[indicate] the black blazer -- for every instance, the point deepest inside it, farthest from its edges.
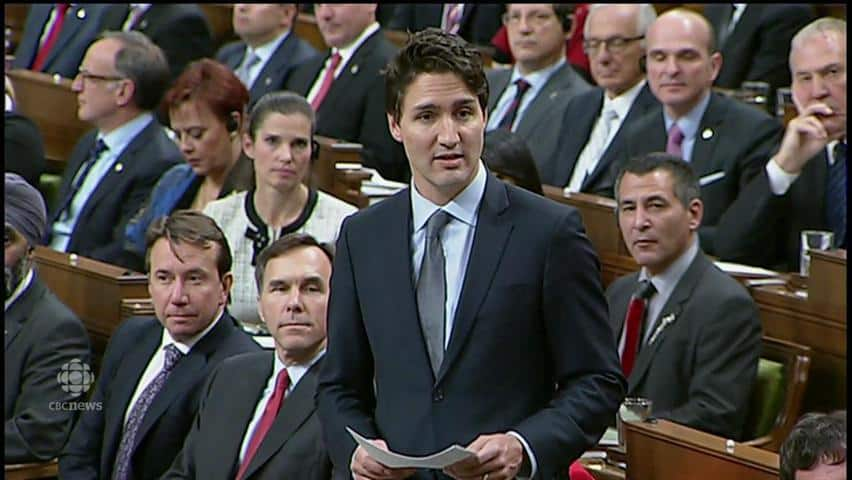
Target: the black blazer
(479, 21)
(23, 147)
(93, 446)
(522, 355)
(701, 368)
(99, 232)
(180, 29)
(42, 335)
(723, 158)
(293, 447)
(765, 229)
(83, 23)
(354, 108)
(578, 121)
(292, 52)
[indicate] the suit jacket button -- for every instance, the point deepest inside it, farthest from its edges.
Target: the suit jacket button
(438, 395)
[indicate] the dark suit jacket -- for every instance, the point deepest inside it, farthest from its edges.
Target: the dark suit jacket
(578, 121)
(479, 21)
(42, 335)
(180, 29)
(758, 49)
(523, 356)
(93, 446)
(99, 232)
(765, 229)
(292, 52)
(354, 108)
(23, 147)
(700, 369)
(727, 149)
(541, 123)
(293, 447)
(83, 23)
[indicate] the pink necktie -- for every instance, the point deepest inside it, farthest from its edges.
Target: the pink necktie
(327, 80)
(673, 146)
(266, 421)
(47, 46)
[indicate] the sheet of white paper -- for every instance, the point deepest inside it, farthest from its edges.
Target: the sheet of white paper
(444, 458)
(739, 269)
(610, 437)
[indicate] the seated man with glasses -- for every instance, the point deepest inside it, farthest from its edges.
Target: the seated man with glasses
(593, 124)
(113, 168)
(529, 98)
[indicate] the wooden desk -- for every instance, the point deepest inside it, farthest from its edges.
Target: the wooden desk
(827, 282)
(668, 451)
(221, 19)
(49, 102)
(15, 15)
(344, 184)
(306, 28)
(91, 289)
(599, 217)
(31, 471)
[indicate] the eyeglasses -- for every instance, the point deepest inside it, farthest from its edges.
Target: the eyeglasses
(613, 45)
(85, 75)
(535, 19)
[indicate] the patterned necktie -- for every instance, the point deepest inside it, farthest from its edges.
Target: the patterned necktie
(509, 117)
(327, 80)
(273, 406)
(633, 324)
(94, 154)
(835, 195)
(121, 469)
(673, 146)
(242, 72)
(53, 34)
(452, 19)
(432, 289)
(133, 17)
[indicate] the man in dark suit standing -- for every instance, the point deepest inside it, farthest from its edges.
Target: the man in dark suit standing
(150, 385)
(464, 333)
(529, 98)
(56, 36)
(803, 186)
(346, 87)
(43, 339)
(474, 22)
(700, 126)
(696, 363)
(112, 169)
(179, 29)
(269, 50)
(233, 436)
(593, 125)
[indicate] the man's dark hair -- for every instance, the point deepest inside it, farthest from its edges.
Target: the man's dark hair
(283, 245)
(144, 63)
(817, 438)
(433, 51)
(506, 153)
(686, 187)
(194, 228)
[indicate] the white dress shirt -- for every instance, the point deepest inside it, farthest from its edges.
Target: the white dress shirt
(537, 81)
(346, 54)
(20, 289)
(780, 181)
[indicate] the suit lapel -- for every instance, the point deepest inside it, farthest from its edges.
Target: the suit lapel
(489, 241)
(706, 137)
(279, 60)
(235, 59)
(536, 111)
(501, 81)
(296, 409)
(590, 109)
(72, 24)
(18, 312)
(669, 314)
(745, 26)
(352, 71)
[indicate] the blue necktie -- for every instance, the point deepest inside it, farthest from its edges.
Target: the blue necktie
(121, 469)
(509, 117)
(835, 195)
(95, 153)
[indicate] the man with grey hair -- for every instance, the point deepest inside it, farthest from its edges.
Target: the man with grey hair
(589, 152)
(803, 186)
(113, 168)
(43, 339)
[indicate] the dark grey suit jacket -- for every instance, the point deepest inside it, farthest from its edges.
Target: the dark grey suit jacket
(99, 232)
(523, 355)
(733, 139)
(354, 108)
(93, 446)
(578, 121)
(765, 229)
(42, 335)
(541, 123)
(293, 447)
(701, 368)
(291, 53)
(479, 21)
(83, 23)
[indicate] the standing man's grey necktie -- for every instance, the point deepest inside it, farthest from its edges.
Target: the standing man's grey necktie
(432, 289)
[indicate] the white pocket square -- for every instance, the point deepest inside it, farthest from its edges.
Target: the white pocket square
(710, 178)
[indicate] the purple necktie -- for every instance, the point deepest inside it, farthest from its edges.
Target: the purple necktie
(673, 146)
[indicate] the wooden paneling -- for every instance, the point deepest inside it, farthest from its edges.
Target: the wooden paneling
(31, 471)
(220, 17)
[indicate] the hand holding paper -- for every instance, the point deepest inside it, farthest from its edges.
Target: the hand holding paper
(448, 456)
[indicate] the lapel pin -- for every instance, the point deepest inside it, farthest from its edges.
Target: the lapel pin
(267, 81)
(118, 167)
(664, 322)
(354, 70)
(707, 134)
(553, 95)
(81, 14)
(143, 24)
